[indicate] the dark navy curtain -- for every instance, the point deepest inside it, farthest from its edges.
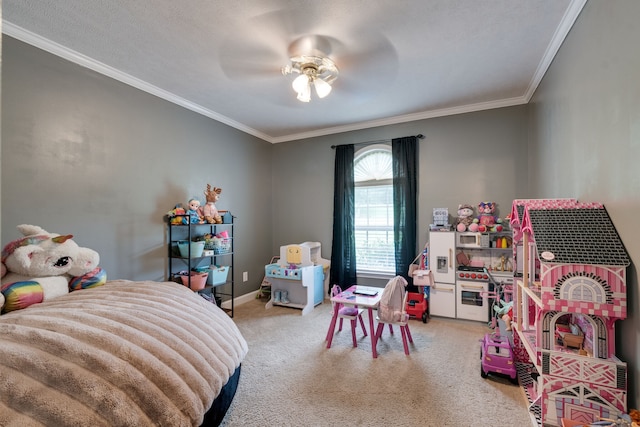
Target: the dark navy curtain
(343, 247)
(405, 194)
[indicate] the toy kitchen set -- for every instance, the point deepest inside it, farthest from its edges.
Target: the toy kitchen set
(468, 269)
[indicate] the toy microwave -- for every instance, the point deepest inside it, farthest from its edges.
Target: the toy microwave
(468, 239)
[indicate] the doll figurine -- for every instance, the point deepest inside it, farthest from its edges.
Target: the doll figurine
(192, 216)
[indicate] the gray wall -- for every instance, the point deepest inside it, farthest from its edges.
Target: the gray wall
(584, 138)
(465, 158)
(87, 155)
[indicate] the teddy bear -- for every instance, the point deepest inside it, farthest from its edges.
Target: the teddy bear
(41, 266)
(465, 217)
(486, 221)
(209, 210)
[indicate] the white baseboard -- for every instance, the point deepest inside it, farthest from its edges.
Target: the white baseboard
(246, 298)
(240, 300)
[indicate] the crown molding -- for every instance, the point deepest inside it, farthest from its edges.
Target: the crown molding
(47, 45)
(572, 13)
(569, 18)
(509, 102)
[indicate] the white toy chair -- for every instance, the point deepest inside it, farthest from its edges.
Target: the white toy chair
(345, 312)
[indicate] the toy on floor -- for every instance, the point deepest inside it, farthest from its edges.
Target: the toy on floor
(265, 285)
(497, 356)
(418, 302)
(297, 277)
(497, 351)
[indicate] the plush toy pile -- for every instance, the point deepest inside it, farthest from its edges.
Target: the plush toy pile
(196, 214)
(42, 265)
(485, 222)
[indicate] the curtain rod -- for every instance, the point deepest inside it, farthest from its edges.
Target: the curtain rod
(419, 136)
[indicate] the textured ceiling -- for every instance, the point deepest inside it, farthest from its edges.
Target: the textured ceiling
(399, 60)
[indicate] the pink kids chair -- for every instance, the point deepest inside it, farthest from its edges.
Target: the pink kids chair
(344, 312)
(392, 310)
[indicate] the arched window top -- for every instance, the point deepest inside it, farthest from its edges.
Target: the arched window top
(581, 286)
(374, 229)
(373, 163)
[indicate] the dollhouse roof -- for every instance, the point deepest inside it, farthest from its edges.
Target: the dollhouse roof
(577, 236)
(520, 209)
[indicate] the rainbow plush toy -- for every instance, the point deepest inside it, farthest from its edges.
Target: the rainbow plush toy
(42, 265)
(177, 215)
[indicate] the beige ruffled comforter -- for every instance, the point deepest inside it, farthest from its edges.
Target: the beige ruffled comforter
(123, 354)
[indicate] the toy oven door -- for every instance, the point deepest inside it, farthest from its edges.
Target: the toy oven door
(471, 300)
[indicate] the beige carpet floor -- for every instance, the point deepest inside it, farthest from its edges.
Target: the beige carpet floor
(290, 378)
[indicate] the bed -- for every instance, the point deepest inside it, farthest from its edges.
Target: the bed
(123, 354)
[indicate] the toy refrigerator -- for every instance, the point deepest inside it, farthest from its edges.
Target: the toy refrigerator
(442, 264)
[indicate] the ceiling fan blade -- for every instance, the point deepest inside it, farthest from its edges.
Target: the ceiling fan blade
(366, 60)
(260, 46)
(367, 67)
(251, 64)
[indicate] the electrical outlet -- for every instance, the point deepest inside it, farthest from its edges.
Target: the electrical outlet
(245, 276)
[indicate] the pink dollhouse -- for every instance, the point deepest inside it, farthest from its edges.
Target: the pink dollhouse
(571, 290)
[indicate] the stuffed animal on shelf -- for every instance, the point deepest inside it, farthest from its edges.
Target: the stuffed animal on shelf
(209, 211)
(41, 265)
(192, 216)
(465, 217)
(176, 215)
(486, 220)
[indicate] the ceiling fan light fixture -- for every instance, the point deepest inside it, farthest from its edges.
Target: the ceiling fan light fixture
(322, 88)
(304, 95)
(318, 71)
(300, 83)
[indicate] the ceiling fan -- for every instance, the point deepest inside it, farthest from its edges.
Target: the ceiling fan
(291, 42)
(308, 56)
(317, 71)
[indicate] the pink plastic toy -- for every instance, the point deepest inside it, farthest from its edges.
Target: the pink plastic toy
(497, 357)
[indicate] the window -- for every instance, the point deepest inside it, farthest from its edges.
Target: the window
(373, 174)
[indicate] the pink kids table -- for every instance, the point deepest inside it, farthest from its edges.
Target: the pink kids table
(355, 296)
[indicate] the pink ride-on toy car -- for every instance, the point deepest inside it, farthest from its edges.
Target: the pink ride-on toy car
(497, 356)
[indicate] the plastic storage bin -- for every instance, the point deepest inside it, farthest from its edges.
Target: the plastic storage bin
(196, 248)
(218, 274)
(198, 280)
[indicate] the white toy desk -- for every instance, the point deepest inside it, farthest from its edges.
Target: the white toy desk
(298, 275)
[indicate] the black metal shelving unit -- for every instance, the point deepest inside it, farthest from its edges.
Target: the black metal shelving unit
(221, 294)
